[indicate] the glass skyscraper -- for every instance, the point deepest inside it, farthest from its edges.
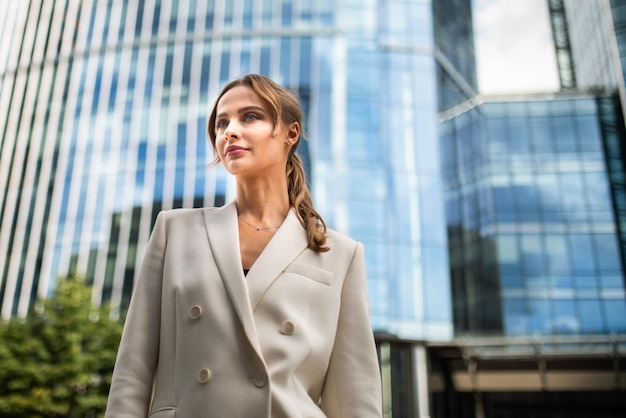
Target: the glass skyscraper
(533, 237)
(492, 225)
(106, 106)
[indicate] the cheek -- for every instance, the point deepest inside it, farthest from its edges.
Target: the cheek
(219, 145)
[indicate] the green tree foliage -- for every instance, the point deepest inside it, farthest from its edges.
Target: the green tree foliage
(58, 362)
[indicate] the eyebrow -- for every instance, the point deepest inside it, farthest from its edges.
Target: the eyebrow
(243, 110)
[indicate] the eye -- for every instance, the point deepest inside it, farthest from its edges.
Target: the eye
(221, 124)
(250, 117)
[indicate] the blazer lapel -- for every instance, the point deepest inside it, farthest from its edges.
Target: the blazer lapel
(223, 233)
(286, 244)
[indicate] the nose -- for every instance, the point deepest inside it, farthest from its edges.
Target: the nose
(231, 131)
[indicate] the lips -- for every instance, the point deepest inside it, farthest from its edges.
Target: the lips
(234, 150)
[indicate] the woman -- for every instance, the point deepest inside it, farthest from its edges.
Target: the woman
(254, 309)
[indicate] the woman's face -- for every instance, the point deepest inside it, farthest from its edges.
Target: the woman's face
(246, 139)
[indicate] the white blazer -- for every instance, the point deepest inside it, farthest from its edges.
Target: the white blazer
(290, 339)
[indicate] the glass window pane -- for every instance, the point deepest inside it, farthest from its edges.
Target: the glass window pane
(565, 319)
(508, 253)
(532, 253)
(556, 254)
(615, 314)
(607, 251)
(590, 315)
(539, 311)
(582, 252)
(515, 318)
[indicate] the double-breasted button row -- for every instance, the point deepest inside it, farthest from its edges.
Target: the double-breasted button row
(204, 375)
(195, 312)
(259, 381)
(287, 327)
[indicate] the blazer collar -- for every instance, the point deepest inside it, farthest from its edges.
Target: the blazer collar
(287, 243)
(246, 292)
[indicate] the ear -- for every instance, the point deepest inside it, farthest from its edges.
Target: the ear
(293, 133)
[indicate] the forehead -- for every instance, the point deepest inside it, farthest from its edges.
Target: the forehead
(238, 97)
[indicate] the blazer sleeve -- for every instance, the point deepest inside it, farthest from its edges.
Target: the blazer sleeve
(131, 386)
(352, 388)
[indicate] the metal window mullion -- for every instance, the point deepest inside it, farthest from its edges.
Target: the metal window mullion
(18, 34)
(15, 89)
(210, 184)
(194, 108)
(81, 159)
(216, 50)
(146, 197)
(153, 108)
(101, 171)
(124, 234)
(236, 43)
(61, 141)
(7, 146)
(26, 212)
(8, 15)
(129, 164)
(294, 53)
(125, 207)
(14, 157)
(65, 236)
(313, 116)
(13, 207)
(171, 118)
(256, 42)
(136, 121)
(275, 41)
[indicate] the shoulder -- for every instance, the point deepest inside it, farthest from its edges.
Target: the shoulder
(178, 214)
(183, 217)
(190, 213)
(341, 244)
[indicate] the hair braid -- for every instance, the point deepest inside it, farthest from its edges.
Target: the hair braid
(300, 199)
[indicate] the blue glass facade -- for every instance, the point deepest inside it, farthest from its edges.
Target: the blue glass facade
(106, 106)
(480, 216)
(534, 243)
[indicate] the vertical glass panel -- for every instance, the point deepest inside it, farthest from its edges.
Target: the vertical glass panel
(508, 253)
(539, 313)
(548, 187)
(608, 252)
(590, 315)
(532, 254)
(502, 193)
(566, 140)
(526, 193)
(589, 133)
(564, 320)
(498, 134)
(518, 136)
(572, 193)
(597, 190)
(581, 249)
(541, 135)
(557, 257)
(615, 314)
(515, 317)
(436, 291)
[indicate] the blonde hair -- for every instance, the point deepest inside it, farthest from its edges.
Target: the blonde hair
(284, 108)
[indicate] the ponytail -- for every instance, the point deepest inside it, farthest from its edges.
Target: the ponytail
(300, 199)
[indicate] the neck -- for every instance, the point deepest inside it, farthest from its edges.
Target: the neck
(262, 202)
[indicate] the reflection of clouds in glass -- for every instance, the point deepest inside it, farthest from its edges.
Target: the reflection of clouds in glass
(514, 48)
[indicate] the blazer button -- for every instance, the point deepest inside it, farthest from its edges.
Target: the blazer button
(195, 312)
(204, 375)
(288, 327)
(259, 381)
